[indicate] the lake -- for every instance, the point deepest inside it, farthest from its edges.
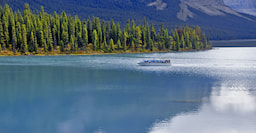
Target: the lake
(210, 91)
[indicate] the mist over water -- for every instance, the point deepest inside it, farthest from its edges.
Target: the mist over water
(207, 91)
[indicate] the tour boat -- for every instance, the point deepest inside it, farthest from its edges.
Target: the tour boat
(158, 62)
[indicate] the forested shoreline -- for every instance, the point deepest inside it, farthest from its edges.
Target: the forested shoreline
(39, 33)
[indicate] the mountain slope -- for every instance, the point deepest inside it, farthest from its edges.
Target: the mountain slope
(215, 18)
(244, 6)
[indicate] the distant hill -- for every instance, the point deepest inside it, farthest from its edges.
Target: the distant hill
(215, 18)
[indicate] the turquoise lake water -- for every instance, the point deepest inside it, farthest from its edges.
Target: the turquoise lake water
(202, 92)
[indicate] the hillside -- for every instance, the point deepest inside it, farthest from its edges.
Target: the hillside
(215, 18)
(244, 6)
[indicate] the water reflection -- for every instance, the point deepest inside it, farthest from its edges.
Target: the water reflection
(230, 109)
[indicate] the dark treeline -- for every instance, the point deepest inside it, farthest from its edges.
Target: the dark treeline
(37, 32)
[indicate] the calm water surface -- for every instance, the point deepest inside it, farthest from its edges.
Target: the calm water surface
(202, 92)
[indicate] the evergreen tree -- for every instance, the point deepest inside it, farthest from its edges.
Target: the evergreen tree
(85, 36)
(138, 37)
(72, 43)
(111, 44)
(94, 39)
(50, 40)
(166, 40)
(125, 34)
(133, 46)
(177, 40)
(6, 31)
(144, 37)
(103, 28)
(153, 33)
(2, 37)
(113, 31)
(35, 45)
(119, 44)
(41, 39)
(29, 32)
(105, 44)
(62, 47)
(172, 42)
(31, 43)
(89, 30)
(151, 45)
(182, 42)
(99, 31)
(118, 32)
(19, 35)
(108, 32)
(24, 46)
(45, 46)
(187, 41)
(54, 35)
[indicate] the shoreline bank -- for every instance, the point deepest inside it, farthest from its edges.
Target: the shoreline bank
(101, 53)
(234, 43)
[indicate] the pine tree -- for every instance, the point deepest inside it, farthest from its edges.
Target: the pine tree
(6, 31)
(2, 37)
(108, 32)
(151, 45)
(182, 42)
(153, 33)
(103, 28)
(85, 36)
(19, 35)
(119, 44)
(187, 41)
(125, 34)
(54, 33)
(118, 32)
(113, 31)
(31, 43)
(24, 46)
(166, 39)
(177, 40)
(50, 40)
(72, 43)
(41, 39)
(105, 45)
(62, 47)
(111, 45)
(45, 46)
(89, 30)
(94, 39)
(99, 30)
(148, 36)
(138, 37)
(133, 46)
(172, 42)
(35, 44)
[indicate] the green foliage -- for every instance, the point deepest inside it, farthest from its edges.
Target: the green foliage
(24, 46)
(94, 39)
(111, 43)
(2, 37)
(41, 32)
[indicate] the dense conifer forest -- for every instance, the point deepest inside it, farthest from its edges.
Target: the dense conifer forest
(39, 33)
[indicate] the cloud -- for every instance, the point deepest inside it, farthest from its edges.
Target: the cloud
(230, 110)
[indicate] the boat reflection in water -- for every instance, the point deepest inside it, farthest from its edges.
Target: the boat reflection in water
(157, 62)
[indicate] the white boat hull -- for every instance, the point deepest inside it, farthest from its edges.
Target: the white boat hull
(154, 64)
